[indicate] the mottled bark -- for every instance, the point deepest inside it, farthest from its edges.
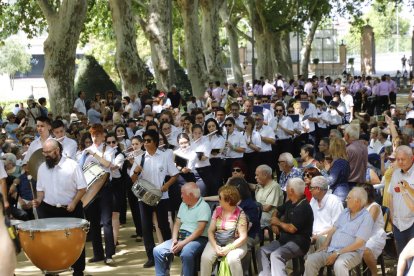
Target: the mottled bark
(307, 48)
(156, 30)
(130, 66)
(266, 62)
(64, 26)
(233, 38)
(211, 39)
(196, 66)
(282, 54)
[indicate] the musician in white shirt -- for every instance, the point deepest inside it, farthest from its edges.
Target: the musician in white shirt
(267, 136)
(253, 141)
(216, 143)
(43, 126)
(155, 167)
(69, 145)
(234, 148)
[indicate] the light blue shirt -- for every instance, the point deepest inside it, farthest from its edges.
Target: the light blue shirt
(191, 216)
(348, 229)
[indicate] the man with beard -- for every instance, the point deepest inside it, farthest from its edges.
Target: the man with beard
(60, 187)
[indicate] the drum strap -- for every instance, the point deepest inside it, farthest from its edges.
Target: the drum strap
(142, 161)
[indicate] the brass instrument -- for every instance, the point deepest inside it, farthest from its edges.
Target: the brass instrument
(34, 163)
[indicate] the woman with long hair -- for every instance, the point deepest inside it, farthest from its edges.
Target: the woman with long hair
(253, 142)
(213, 132)
(306, 154)
(339, 168)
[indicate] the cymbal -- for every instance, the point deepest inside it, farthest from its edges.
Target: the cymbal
(34, 163)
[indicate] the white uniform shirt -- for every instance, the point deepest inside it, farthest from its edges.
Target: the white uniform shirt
(61, 183)
(216, 142)
(285, 122)
(34, 146)
(156, 168)
(403, 217)
(348, 100)
(203, 146)
(311, 111)
(254, 139)
(237, 141)
(325, 216)
(80, 106)
(119, 162)
(267, 132)
(3, 173)
(69, 148)
(108, 155)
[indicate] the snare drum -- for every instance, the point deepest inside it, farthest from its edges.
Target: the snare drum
(53, 244)
(95, 177)
(146, 192)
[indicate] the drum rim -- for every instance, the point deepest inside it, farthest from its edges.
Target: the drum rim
(82, 223)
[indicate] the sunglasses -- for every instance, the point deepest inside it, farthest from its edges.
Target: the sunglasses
(228, 125)
(237, 170)
(245, 123)
(147, 140)
(111, 142)
(308, 175)
(279, 110)
(291, 111)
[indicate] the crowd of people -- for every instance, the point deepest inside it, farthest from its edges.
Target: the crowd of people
(310, 162)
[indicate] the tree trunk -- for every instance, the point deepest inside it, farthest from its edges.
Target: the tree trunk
(266, 62)
(130, 66)
(156, 31)
(211, 39)
(283, 57)
(65, 23)
(306, 51)
(233, 42)
(196, 66)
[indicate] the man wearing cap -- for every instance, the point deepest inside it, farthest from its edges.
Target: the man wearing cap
(174, 97)
(326, 209)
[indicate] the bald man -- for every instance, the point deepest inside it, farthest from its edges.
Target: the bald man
(60, 187)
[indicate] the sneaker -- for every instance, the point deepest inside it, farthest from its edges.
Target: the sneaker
(149, 263)
(109, 261)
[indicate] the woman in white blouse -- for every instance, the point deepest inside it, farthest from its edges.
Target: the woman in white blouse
(253, 142)
(216, 142)
(122, 136)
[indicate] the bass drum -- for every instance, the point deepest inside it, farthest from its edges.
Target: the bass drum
(53, 244)
(95, 177)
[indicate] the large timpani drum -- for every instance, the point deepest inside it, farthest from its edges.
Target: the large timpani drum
(95, 177)
(146, 192)
(53, 244)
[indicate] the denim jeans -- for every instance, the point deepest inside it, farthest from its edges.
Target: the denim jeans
(402, 237)
(188, 255)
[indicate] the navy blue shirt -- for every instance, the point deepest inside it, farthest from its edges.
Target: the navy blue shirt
(249, 207)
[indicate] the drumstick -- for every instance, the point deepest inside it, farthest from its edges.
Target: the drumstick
(29, 177)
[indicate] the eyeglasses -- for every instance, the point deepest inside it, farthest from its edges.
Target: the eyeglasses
(281, 161)
(237, 170)
(111, 142)
(147, 140)
(279, 110)
(245, 123)
(313, 188)
(228, 125)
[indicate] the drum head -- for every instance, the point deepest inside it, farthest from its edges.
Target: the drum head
(51, 224)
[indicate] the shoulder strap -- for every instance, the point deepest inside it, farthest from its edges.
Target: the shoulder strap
(142, 161)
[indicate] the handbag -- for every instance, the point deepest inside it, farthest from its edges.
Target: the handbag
(224, 238)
